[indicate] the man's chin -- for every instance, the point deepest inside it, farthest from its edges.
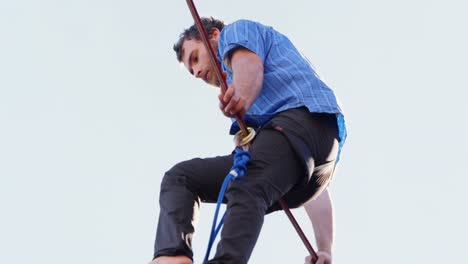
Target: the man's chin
(214, 83)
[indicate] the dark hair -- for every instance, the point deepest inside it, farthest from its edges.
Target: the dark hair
(209, 23)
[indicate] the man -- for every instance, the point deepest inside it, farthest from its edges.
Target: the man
(300, 130)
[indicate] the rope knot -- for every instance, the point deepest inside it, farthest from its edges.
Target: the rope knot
(241, 158)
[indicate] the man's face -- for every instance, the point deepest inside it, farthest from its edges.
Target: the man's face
(197, 61)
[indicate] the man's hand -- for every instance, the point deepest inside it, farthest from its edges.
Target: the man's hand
(232, 103)
(323, 258)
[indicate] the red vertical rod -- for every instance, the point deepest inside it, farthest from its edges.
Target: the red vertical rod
(213, 60)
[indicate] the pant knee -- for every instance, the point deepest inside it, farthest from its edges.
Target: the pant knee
(250, 198)
(176, 176)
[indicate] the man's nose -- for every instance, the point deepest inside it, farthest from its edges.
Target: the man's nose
(197, 72)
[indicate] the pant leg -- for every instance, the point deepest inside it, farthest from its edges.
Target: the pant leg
(182, 188)
(272, 172)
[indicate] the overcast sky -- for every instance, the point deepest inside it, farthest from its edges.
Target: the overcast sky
(94, 108)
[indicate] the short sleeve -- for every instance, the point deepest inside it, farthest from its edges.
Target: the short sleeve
(243, 33)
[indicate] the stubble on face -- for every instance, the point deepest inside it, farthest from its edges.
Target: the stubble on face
(213, 80)
(196, 59)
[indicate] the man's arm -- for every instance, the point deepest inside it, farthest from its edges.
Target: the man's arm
(320, 212)
(247, 81)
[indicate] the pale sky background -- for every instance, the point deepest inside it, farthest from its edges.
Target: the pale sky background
(94, 108)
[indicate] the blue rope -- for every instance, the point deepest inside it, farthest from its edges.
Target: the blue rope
(241, 158)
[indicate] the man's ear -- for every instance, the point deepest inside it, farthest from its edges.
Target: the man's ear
(214, 34)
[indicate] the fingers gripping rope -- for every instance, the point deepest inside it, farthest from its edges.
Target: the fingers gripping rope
(239, 168)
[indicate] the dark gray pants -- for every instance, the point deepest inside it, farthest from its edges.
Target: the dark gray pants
(285, 156)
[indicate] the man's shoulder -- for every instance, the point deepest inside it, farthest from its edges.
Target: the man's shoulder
(243, 28)
(244, 23)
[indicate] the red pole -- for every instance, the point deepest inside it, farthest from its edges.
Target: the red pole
(213, 60)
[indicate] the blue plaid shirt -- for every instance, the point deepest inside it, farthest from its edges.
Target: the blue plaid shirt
(290, 80)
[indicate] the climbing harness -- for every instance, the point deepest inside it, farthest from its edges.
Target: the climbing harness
(242, 155)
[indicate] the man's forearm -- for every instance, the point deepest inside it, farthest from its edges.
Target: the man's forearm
(247, 70)
(320, 212)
